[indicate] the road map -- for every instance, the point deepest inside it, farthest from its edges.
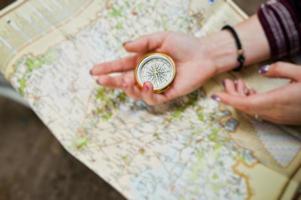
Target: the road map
(191, 148)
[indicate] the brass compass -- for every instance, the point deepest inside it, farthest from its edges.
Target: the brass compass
(156, 68)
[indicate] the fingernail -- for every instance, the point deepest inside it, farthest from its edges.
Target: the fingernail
(264, 69)
(98, 81)
(145, 87)
(224, 83)
(216, 98)
(91, 72)
(125, 43)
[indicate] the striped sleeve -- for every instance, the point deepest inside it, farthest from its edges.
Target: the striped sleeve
(280, 20)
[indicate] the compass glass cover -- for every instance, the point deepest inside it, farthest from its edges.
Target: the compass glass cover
(158, 70)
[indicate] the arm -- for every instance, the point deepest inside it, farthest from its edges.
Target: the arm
(281, 21)
(275, 32)
(197, 59)
(222, 49)
(281, 24)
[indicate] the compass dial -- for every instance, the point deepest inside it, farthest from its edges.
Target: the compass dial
(158, 69)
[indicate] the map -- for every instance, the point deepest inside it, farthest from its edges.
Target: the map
(191, 148)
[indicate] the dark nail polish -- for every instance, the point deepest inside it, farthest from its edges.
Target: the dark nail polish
(91, 72)
(126, 43)
(98, 81)
(264, 69)
(145, 87)
(216, 98)
(224, 83)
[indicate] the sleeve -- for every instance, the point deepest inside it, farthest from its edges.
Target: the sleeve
(281, 21)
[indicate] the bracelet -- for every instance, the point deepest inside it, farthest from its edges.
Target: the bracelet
(241, 57)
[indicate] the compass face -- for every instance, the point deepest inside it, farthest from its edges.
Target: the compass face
(158, 69)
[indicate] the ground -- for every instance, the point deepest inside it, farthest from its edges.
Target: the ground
(33, 165)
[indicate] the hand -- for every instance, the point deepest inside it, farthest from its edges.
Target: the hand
(281, 106)
(193, 64)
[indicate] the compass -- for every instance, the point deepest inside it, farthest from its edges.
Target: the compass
(156, 68)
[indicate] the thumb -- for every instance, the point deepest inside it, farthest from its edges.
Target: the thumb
(282, 70)
(146, 43)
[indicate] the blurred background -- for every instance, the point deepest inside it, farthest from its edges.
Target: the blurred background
(34, 166)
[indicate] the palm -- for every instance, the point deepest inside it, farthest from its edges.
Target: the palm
(189, 78)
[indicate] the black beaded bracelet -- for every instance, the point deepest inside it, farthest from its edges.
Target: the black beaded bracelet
(241, 57)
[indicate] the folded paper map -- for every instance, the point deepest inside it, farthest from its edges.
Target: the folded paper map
(192, 148)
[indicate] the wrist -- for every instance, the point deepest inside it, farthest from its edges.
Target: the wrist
(221, 50)
(221, 47)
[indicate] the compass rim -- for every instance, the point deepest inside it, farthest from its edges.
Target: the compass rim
(143, 60)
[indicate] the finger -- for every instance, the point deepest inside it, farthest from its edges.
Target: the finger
(111, 82)
(120, 65)
(235, 101)
(241, 87)
(257, 103)
(149, 97)
(253, 104)
(133, 92)
(229, 87)
(146, 43)
(117, 81)
(251, 92)
(282, 70)
(267, 105)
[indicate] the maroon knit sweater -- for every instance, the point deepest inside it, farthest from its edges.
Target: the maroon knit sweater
(281, 21)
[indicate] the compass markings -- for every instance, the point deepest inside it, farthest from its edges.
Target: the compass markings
(157, 72)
